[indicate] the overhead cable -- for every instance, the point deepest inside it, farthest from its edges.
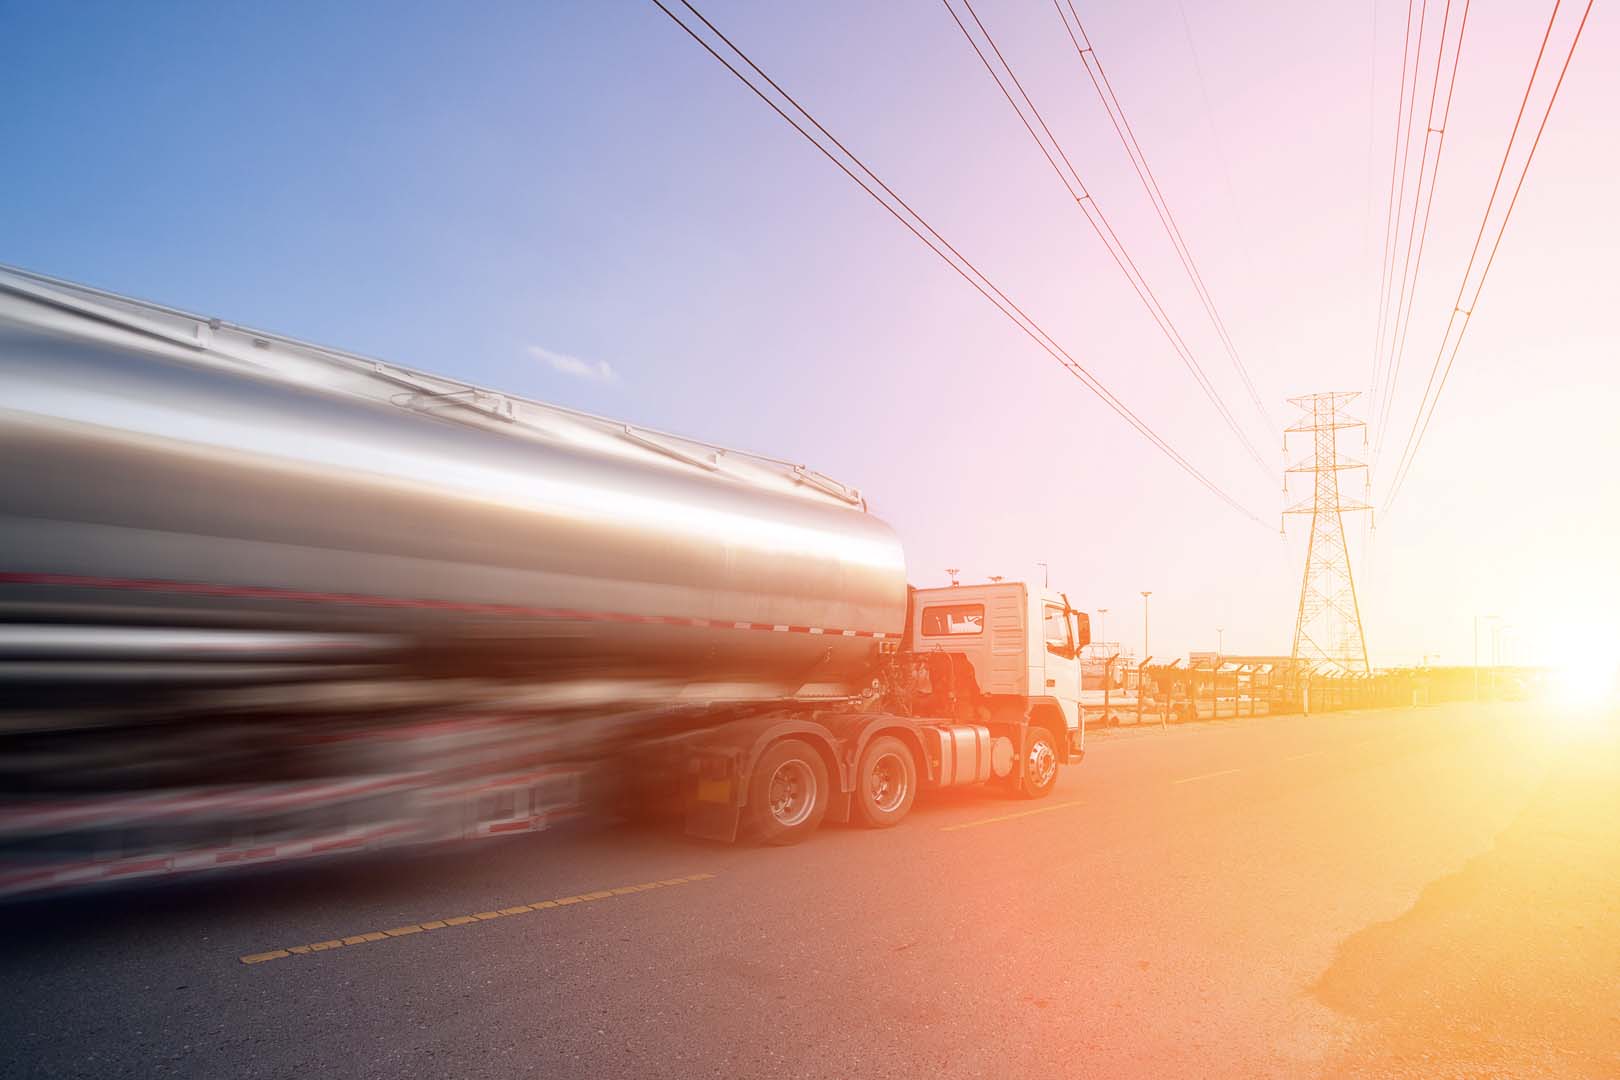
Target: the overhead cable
(1097, 220)
(1144, 172)
(1391, 205)
(855, 169)
(1461, 315)
(1410, 268)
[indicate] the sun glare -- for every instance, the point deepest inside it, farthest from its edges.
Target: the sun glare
(1588, 674)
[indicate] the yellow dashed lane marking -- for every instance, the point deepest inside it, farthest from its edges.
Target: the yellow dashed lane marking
(467, 920)
(1205, 776)
(1009, 817)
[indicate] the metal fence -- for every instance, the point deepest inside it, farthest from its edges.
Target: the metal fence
(1216, 688)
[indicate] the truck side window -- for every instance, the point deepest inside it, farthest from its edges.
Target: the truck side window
(953, 620)
(1057, 629)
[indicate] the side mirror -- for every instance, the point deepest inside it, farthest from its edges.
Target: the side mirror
(1082, 630)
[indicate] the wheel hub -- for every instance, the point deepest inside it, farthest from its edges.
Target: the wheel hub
(889, 784)
(792, 793)
(1042, 763)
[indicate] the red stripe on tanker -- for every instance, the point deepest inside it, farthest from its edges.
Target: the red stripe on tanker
(255, 592)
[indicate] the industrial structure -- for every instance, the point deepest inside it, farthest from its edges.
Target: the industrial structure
(1327, 631)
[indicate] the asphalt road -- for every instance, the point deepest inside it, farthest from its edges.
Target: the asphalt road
(1402, 893)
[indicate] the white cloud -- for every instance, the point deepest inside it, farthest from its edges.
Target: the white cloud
(594, 370)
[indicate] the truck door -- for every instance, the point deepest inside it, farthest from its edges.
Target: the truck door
(1062, 661)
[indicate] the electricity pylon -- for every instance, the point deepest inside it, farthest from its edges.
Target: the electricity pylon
(1328, 630)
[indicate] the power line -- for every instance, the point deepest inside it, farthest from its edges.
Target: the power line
(1092, 63)
(1427, 406)
(931, 238)
(1391, 210)
(1099, 222)
(1411, 63)
(1366, 242)
(1400, 194)
(1403, 303)
(1420, 422)
(1390, 287)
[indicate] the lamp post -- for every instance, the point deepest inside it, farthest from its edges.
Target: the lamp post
(1145, 594)
(1046, 575)
(1102, 624)
(1499, 636)
(1220, 641)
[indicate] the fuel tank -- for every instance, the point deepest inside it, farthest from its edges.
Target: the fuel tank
(161, 471)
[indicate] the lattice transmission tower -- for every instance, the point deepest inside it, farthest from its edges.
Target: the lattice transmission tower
(1328, 631)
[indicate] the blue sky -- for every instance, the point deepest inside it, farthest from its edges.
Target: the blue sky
(475, 188)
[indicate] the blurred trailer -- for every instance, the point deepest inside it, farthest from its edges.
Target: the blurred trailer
(264, 601)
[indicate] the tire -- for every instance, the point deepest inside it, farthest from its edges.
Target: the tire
(885, 783)
(1038, 770)
(787, 794)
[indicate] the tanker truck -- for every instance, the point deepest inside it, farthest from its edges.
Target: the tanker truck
(263, 601)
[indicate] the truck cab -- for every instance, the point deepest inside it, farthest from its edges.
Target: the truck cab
(982, 687)
(1022, 646)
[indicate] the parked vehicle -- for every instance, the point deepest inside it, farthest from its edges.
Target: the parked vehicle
(263, 600)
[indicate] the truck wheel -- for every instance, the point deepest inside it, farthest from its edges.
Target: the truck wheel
(1039, 772)
(788, 793)
(886, 783)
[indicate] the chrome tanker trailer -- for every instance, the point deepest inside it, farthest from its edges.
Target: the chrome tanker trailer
(262, 600)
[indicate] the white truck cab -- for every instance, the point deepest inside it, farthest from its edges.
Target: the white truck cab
(1022, 644)
(984, 686)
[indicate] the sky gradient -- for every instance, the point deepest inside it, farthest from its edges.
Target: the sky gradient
(573, 201)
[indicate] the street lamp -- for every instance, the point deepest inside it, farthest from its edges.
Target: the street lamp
(1145, 653)
(1102, 624)
(1046, 575)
